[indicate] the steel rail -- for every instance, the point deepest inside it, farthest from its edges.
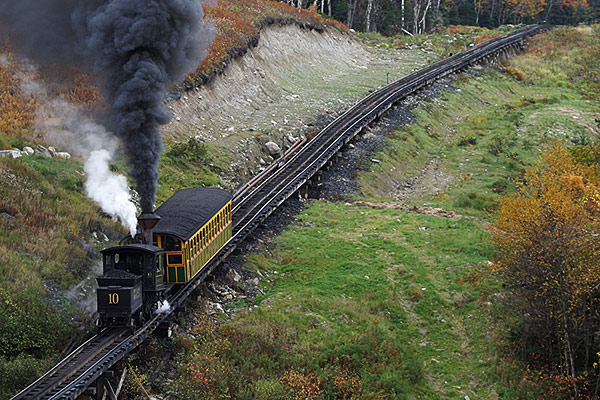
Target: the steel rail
(94, 368)
(349, 120)
(52, 371)
(284, 176)
(84, 353)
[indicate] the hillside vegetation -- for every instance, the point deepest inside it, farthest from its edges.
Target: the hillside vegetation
(363, 302)
(51, 234)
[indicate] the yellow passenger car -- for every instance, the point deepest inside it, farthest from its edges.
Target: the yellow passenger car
(195, 224)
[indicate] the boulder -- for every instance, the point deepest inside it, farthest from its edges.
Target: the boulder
(52, 151)
(63, 154)
(253, 282)
(39, 149)
(10, 153)
(7, 216)
(28, 150)
(272, 148)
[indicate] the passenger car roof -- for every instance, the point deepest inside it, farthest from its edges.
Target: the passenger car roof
(188, 210)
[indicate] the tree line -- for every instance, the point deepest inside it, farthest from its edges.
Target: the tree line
(390, 17)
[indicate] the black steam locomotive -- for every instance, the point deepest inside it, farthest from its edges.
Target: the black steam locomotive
(174, 245)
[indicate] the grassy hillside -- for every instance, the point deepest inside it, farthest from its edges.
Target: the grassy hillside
(388, 303)
(46, 226)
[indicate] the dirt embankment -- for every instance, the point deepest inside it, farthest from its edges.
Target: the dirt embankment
(280, 89)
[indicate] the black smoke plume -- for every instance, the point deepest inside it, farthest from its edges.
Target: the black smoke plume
(138, 48)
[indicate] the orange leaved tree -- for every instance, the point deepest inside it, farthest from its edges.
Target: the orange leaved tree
(548, 239)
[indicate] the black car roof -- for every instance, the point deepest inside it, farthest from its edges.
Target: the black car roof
(134, 246)
(188, 210)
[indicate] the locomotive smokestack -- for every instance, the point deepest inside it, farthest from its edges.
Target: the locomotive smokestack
(147, 221)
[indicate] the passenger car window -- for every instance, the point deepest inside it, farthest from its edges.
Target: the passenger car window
(171, 244)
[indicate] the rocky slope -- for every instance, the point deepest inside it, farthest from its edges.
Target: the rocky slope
(294, 79)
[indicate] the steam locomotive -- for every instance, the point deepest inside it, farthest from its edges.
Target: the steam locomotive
(173, 245)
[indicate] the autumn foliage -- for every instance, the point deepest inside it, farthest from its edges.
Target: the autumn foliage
(524, 8)
(258, 360)
(302, 386)
(17, 110)
(548, 239)
(485, 36)
(26, 87)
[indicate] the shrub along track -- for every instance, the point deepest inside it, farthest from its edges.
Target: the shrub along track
(253, 203)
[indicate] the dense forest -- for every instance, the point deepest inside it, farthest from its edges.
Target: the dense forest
(419, 16)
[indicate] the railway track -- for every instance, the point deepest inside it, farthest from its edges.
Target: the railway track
(252, 204)
(61, 372)
(259, 198)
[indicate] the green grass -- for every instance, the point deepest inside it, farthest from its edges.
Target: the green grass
(374, 268)
(378, 295)
(389, 304)
(9, 141)
(482, 145)
(188, 164)
(46, 230)
(52, 219)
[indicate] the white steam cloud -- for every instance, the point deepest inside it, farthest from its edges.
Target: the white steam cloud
(108, 189)
(163, 307)
(64, 125)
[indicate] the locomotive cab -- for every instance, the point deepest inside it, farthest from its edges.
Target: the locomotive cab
(127, 272)
(137, 259)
